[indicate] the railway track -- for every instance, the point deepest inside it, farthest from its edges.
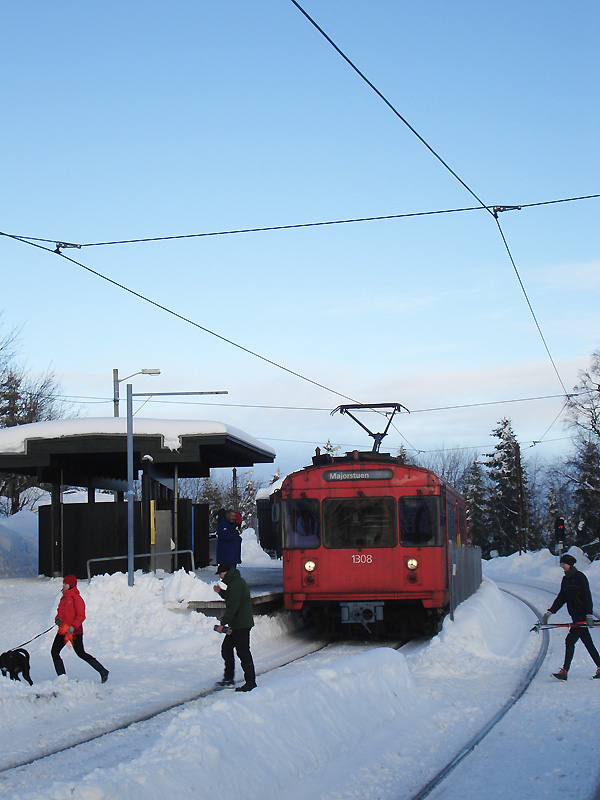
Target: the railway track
(79, 741)
(155, 715)
(467, 749)
(103, 747)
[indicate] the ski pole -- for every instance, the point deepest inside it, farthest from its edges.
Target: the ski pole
(540, 626)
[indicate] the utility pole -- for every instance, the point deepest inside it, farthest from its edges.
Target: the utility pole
(130, 470)
(116, 383)
(234, 490)
(520, 501)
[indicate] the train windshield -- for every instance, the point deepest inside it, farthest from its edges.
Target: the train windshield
(301, 523)
(419, 521)
(359, 522)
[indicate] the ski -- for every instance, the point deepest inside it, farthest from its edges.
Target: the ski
(540, 626)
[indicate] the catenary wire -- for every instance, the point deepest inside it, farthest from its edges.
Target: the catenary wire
(189, 321)
(200, 327)
(273, 363)
(492, 210)
(390, 106)
(294, 226)
(266, 407)
(512, 261)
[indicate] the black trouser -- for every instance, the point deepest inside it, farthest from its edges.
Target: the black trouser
(59, 643)
(239, 638)
(572, 636)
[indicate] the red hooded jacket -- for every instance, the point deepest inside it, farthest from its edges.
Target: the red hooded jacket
(71, 609)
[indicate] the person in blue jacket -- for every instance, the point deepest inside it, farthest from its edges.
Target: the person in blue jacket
(229, 540)
(575, 592)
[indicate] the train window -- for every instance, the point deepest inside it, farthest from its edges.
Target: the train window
(301, 523)
(359, 522)
(419, 521)
(451, 518)
(462, 532)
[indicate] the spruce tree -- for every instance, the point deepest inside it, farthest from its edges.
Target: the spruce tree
(585, 472)
(478, 526)
(508, 493)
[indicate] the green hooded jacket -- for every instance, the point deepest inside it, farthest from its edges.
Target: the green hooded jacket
(238, 606)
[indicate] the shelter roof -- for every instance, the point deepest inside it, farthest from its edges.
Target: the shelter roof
(93, 451)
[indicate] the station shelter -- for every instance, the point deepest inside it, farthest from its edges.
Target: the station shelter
(91, 453)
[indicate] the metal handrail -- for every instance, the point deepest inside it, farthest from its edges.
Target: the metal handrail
(140, 555)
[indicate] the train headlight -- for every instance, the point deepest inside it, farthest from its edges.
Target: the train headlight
(412, 563)
(310, 566)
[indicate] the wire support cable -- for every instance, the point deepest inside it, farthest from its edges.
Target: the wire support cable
(320, 409)
(264, 229)
(298, 225)
(189, 321)
(391, 107)
(494, 210)
(512, 261)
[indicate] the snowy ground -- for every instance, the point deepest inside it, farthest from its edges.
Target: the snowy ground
(345, 723)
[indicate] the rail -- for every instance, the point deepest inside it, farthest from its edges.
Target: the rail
(140, 555)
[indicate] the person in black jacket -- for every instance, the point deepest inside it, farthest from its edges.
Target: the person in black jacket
(575, 592)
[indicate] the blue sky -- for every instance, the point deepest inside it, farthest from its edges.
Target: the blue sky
(147, 119)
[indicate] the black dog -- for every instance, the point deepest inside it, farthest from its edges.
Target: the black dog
(14, 662)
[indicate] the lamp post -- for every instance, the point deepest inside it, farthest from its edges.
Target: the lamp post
(116, 383)
(130, 396)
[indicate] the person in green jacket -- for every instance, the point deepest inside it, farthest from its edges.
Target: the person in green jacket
(238, 616)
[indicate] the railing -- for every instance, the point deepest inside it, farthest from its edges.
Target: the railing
(465, 573)
(141, 555)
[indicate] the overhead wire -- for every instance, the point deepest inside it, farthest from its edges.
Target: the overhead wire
(264, 229)
(492, 210)
(390, 105)
(297, 225)
(189, 321)
(265, 407)
(512, 261)
(32, 242)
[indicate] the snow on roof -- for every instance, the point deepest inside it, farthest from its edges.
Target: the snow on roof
(266, 491)
(13, 440)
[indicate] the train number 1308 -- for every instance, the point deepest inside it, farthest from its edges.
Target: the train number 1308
(362, 559)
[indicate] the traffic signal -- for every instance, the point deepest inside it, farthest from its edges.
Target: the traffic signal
(559, 527)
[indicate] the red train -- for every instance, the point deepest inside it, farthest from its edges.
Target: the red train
(372, 542)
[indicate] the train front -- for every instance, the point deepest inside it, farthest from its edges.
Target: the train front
(364, 545)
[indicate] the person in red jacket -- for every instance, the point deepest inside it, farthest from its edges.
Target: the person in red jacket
(69, 618)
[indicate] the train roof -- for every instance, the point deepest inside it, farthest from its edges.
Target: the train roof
(362, 458)
(358, 457)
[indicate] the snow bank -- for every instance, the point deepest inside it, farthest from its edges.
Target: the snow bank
(207, 752)
(19, 545)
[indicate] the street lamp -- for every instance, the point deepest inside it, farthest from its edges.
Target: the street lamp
(130, 396)
(116, 383)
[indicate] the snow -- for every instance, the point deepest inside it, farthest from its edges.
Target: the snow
(14, 439)
(348, 722)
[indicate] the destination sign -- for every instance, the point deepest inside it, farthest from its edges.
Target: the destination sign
(335, 475)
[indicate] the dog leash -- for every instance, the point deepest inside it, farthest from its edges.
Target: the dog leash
(34, 638)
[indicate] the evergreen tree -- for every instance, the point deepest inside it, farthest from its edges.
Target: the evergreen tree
(584, 522)
(403, 457)
(538, 515)
(558, 494)
(478, 523)
(509, 504)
